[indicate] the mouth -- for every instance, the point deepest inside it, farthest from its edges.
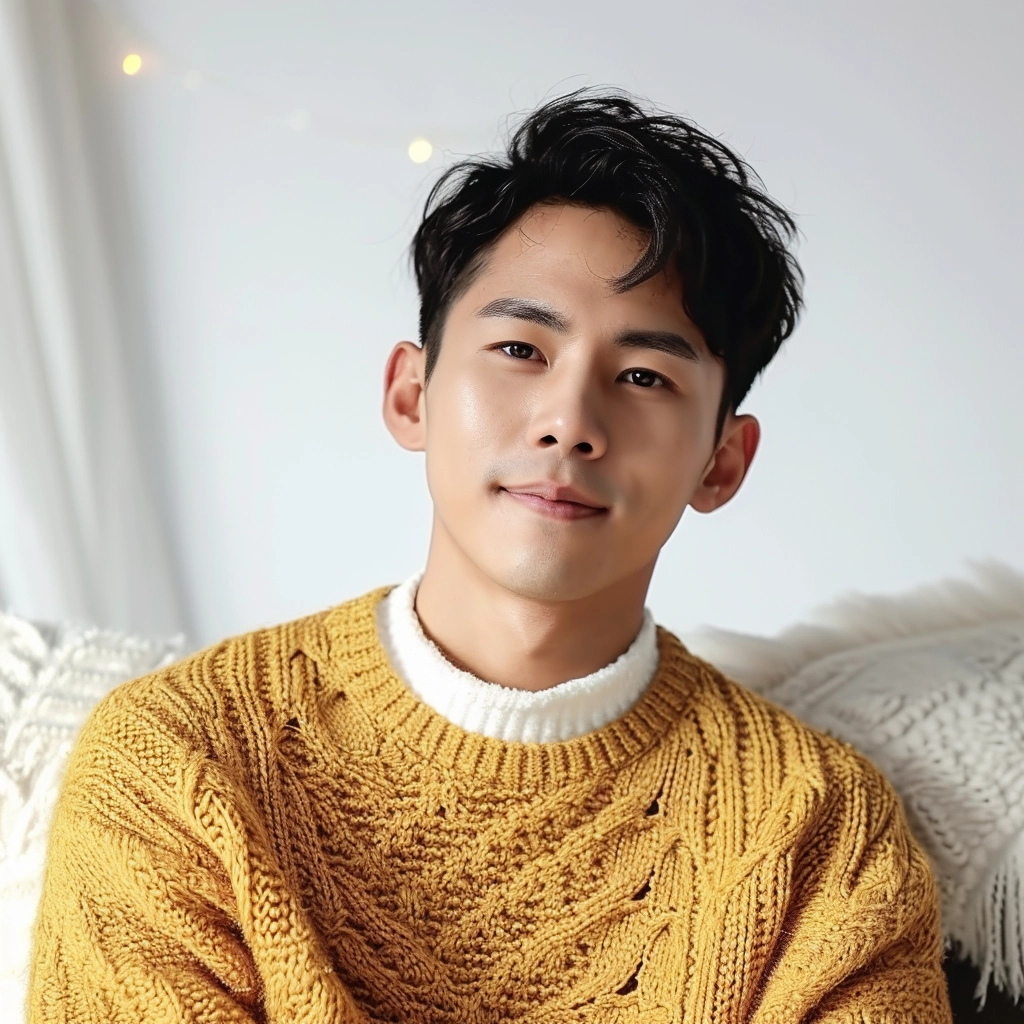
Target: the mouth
(557, 502)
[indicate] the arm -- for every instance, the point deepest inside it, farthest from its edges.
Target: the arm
(163, 899)
(861, 941)
(135, 919)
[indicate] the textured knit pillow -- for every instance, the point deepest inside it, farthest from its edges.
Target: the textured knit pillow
(50, 678)
(930, 686)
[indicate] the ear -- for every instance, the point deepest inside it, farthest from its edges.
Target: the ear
(729, 464)
(404, 405)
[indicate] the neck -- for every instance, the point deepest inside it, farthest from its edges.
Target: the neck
(523, 642)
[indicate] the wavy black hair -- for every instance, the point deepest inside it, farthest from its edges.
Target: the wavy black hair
(701, 206)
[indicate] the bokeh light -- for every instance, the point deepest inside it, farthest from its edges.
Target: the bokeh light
(420, 151)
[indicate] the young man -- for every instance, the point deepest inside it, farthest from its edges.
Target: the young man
(498, 791)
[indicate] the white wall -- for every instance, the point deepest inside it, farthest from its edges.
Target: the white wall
(263, 276)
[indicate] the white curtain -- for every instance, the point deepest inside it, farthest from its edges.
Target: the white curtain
(79, 535)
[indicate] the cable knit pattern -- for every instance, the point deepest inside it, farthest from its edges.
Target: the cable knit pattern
(929, 684)
(943, 716)
(278, 830)
(50, 678)
(557, 713)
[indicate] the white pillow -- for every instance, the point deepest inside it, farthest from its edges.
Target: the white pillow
(50, 678)
(935, 699)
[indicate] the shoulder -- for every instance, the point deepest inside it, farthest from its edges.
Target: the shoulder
(774, 751)
(223, 703)
(791, 787)
(199, 693)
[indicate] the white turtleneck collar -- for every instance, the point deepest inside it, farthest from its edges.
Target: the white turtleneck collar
(561, 712)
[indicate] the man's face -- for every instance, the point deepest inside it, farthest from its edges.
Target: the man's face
(567, 426)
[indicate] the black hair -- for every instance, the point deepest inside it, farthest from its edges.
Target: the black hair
(701, 206)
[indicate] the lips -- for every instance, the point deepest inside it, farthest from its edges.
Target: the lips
(556, 501)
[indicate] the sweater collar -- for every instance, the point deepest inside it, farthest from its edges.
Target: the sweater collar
(354, 666)
(561, 712)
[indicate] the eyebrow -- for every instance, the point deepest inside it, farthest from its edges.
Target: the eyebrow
(660, 341)
(528, 310)
(539, 313)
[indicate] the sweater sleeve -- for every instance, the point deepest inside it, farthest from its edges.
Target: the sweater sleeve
(135, 919)
(862, 942)
(162, 897)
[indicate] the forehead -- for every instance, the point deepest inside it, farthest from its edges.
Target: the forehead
(604, 242)
(567, 251)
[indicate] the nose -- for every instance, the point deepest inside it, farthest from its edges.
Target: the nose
(568, 417)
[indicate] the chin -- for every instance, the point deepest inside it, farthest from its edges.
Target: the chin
(547, 579)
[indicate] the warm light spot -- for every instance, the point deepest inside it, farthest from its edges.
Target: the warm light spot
(192, 80)
(420, 151)
(300, 120)
(132, 64)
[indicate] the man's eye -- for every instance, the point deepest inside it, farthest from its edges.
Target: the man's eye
(518, 350)
(645, 378)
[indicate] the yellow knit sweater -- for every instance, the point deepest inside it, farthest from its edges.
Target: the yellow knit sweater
(276, 830)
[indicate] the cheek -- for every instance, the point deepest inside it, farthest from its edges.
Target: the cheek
(482, 418)
(469, 423)
(666, 459)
